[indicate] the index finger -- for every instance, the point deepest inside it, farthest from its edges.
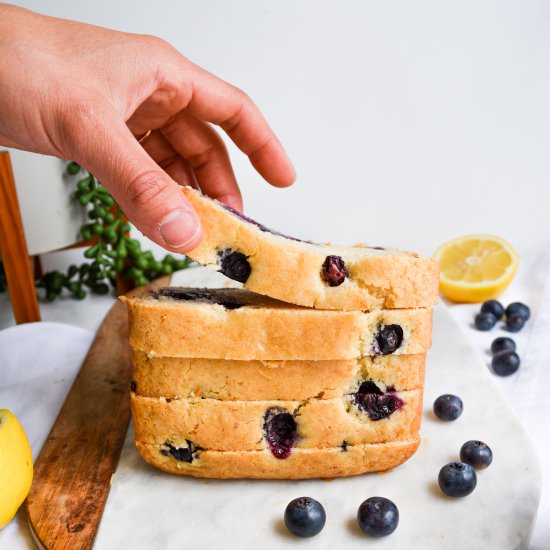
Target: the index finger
(217, 101)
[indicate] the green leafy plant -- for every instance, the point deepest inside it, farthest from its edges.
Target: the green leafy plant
(113, 251)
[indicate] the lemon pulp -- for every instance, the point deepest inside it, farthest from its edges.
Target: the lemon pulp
(475, 268)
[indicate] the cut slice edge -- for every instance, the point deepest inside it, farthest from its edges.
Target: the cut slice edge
(476, 267)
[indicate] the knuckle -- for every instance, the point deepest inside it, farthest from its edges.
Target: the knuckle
(261, 146)
(242, 108)
(244, 105)
(243, 97)
(157, 50)
(247, 104)
(151, 41)
(215, 152)
(200, 160)
(147, 189)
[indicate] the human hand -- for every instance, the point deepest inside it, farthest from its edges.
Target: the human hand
(86, 93)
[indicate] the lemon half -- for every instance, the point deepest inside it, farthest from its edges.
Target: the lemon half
(475, 268)
(15, 466)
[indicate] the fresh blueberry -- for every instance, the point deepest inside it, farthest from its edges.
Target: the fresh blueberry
(377, 404)
(234, 265)
(517, 308)
(457, 479)
(477, 454)
(305, 517)
(229, 305)
(515, 322)
(494, 307)
(187, 294)
(388, 339)
(280, 431)
(223, 298)
(502, 343)
(183, 454)
(378, 517)
(334, 271)
(448, 407)
(485, 321)
(505, 363)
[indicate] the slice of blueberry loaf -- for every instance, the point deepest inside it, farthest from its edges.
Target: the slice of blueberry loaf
(370, 414)
(238, 324)
(233, 380)
(323, 276)
(344, 460)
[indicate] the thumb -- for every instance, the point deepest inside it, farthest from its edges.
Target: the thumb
(150, 198)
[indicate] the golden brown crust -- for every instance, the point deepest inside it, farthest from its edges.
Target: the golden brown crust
(290, 270)
(301, 464)
(239, 425)
(171, 328)
(226, 379)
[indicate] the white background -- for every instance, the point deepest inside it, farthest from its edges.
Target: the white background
(409, 122)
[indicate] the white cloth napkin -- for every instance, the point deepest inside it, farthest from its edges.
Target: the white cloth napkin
(527, 389)
(38, 363)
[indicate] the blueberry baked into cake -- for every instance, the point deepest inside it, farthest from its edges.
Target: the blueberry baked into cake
(316, 423)
(322, 276)
(238, 324)
(230, 383)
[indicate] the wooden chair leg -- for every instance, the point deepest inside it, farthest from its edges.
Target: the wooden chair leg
(17, 263)
(123, 285)
(37, 267)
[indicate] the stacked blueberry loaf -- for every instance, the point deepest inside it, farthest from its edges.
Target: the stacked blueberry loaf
(236, 383)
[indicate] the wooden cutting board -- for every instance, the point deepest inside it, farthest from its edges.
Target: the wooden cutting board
(72, 474)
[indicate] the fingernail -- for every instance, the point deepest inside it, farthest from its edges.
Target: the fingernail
(179, 228)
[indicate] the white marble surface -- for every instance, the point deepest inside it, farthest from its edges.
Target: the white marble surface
(526, 390)
(150, 509)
